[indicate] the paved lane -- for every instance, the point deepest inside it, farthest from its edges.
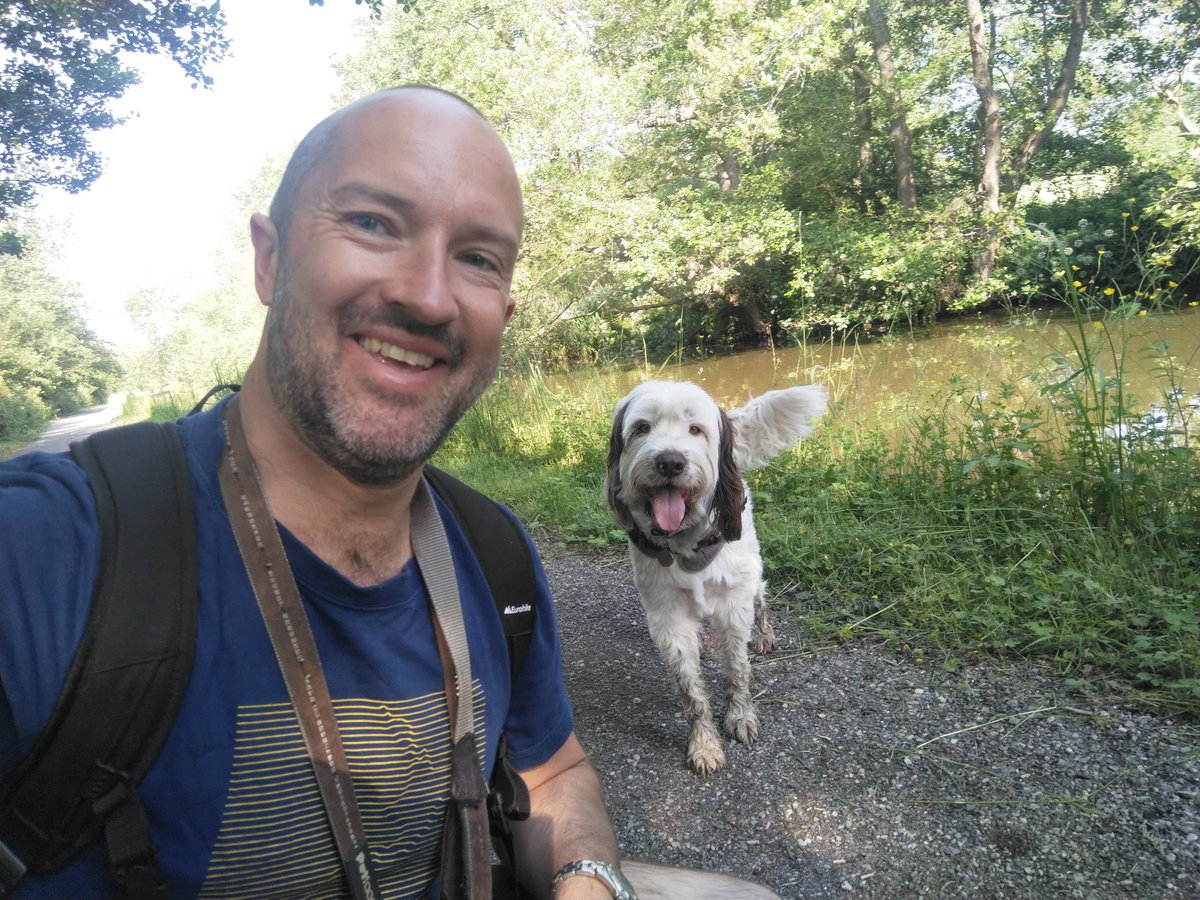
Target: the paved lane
(61, 432)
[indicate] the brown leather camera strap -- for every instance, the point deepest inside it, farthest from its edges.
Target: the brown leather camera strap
(279, 601)
(466, 866)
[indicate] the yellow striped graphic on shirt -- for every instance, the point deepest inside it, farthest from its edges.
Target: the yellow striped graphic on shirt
(274, 839)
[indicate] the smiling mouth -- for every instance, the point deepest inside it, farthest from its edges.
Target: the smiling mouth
(397, 354)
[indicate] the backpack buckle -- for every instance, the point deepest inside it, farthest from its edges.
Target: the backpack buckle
(131, 854)
(12, 870)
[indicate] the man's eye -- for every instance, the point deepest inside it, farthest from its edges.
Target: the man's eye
(479, 261)
(366, 222)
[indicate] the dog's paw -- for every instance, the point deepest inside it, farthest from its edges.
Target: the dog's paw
(742, 725)
(762, 634)
(764, 641)
(705, 753)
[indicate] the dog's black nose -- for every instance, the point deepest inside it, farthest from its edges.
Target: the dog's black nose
(669, 463)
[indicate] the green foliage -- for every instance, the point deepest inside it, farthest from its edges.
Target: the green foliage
(898, 269)
(23, 413)
(64, 63)
(190, 342)
(1128, 241)
(50, 362)
(701, 177)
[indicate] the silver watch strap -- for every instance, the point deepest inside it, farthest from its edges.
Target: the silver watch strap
(610, 875)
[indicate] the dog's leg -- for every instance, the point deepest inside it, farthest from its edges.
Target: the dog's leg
(762, 635)
(732, 631)
(677, 636)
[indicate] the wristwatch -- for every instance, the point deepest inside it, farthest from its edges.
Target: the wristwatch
(606, 872)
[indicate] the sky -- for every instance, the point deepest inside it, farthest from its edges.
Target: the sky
(172, 172)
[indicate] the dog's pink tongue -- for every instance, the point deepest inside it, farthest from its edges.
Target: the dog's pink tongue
(668, 509)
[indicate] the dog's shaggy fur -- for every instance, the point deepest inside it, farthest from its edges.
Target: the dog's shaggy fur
(674, 484)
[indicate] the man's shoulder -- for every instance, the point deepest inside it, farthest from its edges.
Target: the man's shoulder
(42, 487)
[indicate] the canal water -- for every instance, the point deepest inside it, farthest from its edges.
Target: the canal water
(873, 377)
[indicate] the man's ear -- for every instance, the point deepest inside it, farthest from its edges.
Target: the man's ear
(265, 238)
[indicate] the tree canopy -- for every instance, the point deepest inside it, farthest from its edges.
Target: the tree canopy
(722, 172)
(704, 175)
(65, 62)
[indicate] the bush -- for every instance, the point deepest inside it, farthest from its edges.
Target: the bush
(1133, 242)
(22, 413)
(898, 269)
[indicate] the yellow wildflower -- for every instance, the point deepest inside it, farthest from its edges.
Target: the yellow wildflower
(1133, 227)
(1193, 303)
(1141, 312)
(1108, 292)
(1097, 325)
(1074, 268)
(1124, 215)
(1077, 283)
(1173, 284)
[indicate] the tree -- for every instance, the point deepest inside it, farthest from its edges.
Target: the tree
(65, 65)
(906, 191)
(48, 355)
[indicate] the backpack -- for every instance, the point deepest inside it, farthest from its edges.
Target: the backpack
(128, 677)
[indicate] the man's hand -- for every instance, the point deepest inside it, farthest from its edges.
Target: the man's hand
(567, 821)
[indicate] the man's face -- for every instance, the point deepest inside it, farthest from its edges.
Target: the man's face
(390, 293)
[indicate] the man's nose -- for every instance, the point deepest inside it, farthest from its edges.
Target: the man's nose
(420, 280)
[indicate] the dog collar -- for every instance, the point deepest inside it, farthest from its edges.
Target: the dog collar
(699, 557)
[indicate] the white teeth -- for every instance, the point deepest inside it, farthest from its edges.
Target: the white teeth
(391, 351)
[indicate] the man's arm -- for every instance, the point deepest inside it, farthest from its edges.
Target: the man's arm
(567, 821)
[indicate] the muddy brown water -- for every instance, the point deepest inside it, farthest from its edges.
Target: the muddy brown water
(870, 376)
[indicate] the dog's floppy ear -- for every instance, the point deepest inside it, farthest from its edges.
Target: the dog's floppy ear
(612, 477)
(729, 499)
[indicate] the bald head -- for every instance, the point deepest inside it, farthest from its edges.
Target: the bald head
(415, 103)
(387, 265)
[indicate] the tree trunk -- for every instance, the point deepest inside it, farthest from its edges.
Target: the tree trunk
(729, 174)
(906, 191)
(1188, 127)
(989, 106)
(864, 178)
(1057, 101)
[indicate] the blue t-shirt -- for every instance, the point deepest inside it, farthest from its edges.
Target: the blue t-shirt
(233, 803)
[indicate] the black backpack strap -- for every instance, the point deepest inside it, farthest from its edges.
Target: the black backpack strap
(503, 554)
(129, 674)
(500, 547)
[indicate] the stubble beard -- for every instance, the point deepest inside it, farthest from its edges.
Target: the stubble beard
(305, 388)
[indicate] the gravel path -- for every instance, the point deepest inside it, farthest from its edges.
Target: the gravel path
(878, 776)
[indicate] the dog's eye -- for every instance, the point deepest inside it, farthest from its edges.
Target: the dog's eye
(642, 427)
(695, 431)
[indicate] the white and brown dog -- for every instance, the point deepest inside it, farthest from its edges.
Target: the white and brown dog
(674, 484)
